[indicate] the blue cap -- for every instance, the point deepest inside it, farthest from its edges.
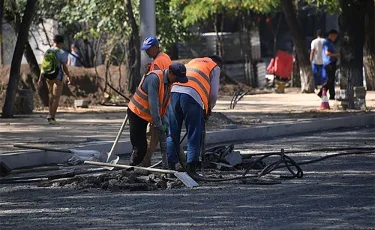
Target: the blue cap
(148, 42)
(179, 70)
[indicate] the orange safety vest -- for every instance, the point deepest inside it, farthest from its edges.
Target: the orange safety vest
(139, 102)
(198, 71)
(163, 61)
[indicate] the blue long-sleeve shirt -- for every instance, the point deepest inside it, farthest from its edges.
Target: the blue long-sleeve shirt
(329, 46)
(151, 87)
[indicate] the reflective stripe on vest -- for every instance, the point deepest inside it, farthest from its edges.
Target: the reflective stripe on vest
(139, 102)
(198, 71)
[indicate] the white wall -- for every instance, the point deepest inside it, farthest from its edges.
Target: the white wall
(37, 39)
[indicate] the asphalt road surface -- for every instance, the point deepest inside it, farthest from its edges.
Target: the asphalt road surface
(337, 193)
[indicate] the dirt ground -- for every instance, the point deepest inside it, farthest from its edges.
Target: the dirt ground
(89, 84)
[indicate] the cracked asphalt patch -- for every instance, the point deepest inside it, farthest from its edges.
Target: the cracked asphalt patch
(338, 193)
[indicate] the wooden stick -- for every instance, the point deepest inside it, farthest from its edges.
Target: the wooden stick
(36, 169)
(129, 167)
(42, 148)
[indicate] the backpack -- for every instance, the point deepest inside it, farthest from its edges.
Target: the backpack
(50, 64)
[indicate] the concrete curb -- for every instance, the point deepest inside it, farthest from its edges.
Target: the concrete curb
(261, 132)
(34, 158)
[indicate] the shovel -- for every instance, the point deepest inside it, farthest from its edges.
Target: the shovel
(182, 176)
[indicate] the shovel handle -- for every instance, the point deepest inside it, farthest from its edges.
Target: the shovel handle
(42, 148)
(118, 137)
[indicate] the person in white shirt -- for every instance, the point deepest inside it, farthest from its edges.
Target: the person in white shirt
(317, 60)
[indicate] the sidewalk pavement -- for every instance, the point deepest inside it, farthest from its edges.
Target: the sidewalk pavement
(260, 114)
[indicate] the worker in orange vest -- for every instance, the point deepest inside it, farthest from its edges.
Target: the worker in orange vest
(161, 61)
(192, 102)
(149, 104)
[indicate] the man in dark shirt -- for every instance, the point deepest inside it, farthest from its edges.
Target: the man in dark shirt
(329, 56)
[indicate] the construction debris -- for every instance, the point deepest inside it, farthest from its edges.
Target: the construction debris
(233, 158)
(223, 154)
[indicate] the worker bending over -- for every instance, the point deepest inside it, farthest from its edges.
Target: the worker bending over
(192, 102)
(161, 61)
(149, 104)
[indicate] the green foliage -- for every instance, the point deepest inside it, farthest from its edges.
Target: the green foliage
(169, 24)
(94, 19)
(330, 6)
(198, 10)
(108, 17)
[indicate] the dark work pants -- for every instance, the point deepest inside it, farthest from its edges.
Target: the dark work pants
(329, 84)
(138, 137)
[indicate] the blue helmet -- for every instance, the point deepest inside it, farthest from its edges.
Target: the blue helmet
(148, 42)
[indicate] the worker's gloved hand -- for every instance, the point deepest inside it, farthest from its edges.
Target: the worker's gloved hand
(207, 115)
(163, 128)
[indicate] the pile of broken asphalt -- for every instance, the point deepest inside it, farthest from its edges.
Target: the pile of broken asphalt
(116, 181)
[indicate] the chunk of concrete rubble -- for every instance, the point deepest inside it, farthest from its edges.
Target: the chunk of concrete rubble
(233, 158)
(174, 184)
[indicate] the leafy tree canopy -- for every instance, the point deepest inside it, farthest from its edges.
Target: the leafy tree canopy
(197, 10)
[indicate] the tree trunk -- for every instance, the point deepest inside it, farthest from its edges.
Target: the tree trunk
(307, 79)
(15, 21)
(219, 41)
(246, 49)
(35, 70)
(14, 76)
(296, 76)
(1, 33)
(351, 22)
(369, 57)
(133, 56)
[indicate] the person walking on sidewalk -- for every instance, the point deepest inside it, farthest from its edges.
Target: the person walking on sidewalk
(149, 104)
(192, 102)
(54, 56)
(161, 61)
(75, 56)
(329, 55)
(317, 59)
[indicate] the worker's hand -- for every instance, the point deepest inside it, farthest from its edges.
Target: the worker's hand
(163, 128)
(69, 82)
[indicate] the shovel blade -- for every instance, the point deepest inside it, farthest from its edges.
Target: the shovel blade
(112, 160)
(186, 179)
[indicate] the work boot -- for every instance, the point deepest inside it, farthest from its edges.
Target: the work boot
(191, 168)
(171, 166)
(134, 161)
